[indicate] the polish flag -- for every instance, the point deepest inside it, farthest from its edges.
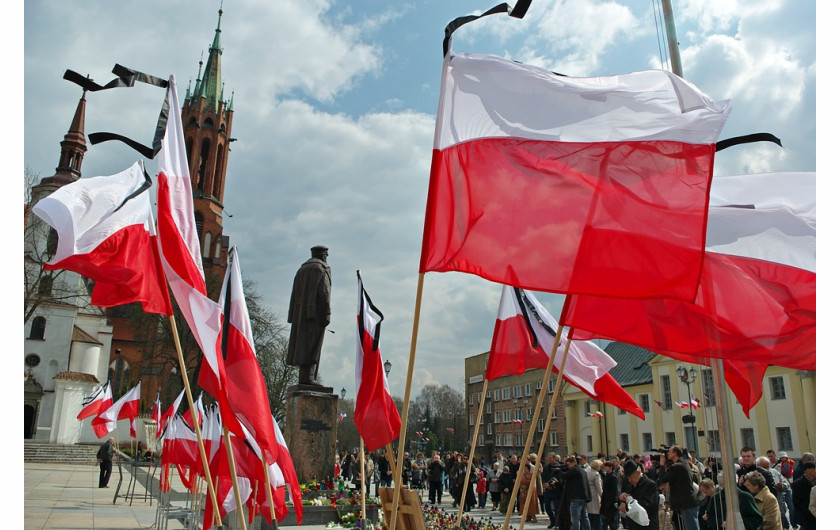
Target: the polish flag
(570, 185)
(92, 403)
(596, 414)
(695, 403)
(376, 416)
(180, 448)
(518, 422)
(127, 407)
(199, 410)
(103, 226)
(523, 338)
(287, 469)
(245, 390)
(182, 255)
(170, 412)
(682, 404)
(100, 425)
(757, 296)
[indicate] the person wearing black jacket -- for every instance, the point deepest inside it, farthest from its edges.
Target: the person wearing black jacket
(385, 477)
(105, 456)
(609, 496)
(802, 496)
(682, 498)
(436, 471)
(506, 483)
(552, 485)
(577, 493)
(748, 464)
(644, 491)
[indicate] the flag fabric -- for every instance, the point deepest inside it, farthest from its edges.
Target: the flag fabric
(170, 412)
(570, 185)
(181, 254)
(681, 404)
(695, 403)
(101, 426)
(658, 403)
(287, 468)
(596, 414)
(127, 407)
(517, 422)
(245, 390)
(757, 295)
(103, 228)
(376, 416)
(91, 404)
(199, 410)
(156, 412)
(180, 448)
(523, 338)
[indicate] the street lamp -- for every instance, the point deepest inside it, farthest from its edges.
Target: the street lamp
(387, 368)
(343, 392)
(688, 377)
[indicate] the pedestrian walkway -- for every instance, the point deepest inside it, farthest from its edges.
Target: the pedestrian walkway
(67, 497)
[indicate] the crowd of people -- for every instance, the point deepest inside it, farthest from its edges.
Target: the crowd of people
(607, 493)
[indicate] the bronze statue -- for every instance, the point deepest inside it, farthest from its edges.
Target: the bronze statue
(309, 314)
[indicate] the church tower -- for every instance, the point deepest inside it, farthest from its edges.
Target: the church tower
(73, 149)
(207, 119)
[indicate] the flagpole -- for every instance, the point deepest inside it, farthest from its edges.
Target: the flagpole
(229, 448)
(389, 453)
(472, 448)
(269, 492)
(533, 425)
(408, 376)
(557, 392)
(363, 473)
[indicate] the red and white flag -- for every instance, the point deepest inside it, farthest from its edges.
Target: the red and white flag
(180, 448)
(523, 338)
(100, 425)
(517, 422)
(92, 403)
(596, 414)
(570, 185)
(200, 412)
(757, 296)
(287, 468)
(127, 407)
(246, 391)
(376, 416)
(103, 226)
(156, 412)
(695, 403)
(170, 412)
(181, 254)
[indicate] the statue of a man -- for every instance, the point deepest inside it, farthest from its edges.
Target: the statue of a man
(309, 314)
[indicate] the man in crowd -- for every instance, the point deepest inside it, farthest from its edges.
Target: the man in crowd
(644, 491)
(576, 486)
(436, 472)
(552, 485)
(802, 496)
(679, 477)
(105, 456)
(748, 464)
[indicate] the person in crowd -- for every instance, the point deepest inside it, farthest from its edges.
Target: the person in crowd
(596, 490)
(711, 470)
(715, 512)
(765, 499)
(385, 475)
(802, 496)
(799, 469)
(780, 491)
(680, 480)
(436, 473)
(784, 465)
(462, 480)
(576, 486)
(406, 469)
(693, 460)
(748, 464)
(513, 464)
(454, 488)
(417, 478)
(643, 491)
(421, 464)
(105, 457)
(481, 490)
(493, 485)
(552, 486)
(506, 482)
(529, 473)
(609, 496)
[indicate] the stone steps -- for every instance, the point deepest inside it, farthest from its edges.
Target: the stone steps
(78, 454)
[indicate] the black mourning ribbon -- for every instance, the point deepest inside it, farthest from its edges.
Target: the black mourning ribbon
(126, 78)
(364, 299)
(147, 183)
(747, 139)
(518, 11)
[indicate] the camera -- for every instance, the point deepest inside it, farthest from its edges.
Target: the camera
(663, 449)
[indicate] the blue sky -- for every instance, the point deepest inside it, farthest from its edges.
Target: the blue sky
(334, 115)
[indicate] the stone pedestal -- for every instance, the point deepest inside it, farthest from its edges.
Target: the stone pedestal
(311, 431)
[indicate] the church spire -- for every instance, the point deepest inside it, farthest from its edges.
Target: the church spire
(211, 83)
(72, 149)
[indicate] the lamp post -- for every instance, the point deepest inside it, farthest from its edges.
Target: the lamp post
(343, 392)
(387, 367)
(688, 377)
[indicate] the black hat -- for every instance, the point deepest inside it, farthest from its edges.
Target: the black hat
(809, 465)
(630, 467)
(318, 248)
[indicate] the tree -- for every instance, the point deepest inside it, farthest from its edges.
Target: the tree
(436, 410)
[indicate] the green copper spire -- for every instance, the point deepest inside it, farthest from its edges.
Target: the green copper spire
(211, 83)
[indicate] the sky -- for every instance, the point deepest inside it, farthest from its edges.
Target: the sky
(334, 114)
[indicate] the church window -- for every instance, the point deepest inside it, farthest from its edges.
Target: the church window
(39, 325)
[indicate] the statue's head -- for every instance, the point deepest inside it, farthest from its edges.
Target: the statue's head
(320, 252)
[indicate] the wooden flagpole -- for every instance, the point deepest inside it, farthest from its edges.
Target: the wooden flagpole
(269, 492)
(191, 404)
(533, 426)
(389, 453)
(363, 473)
(557, 391)
(404, 417)
(235, 483)
(472, 449)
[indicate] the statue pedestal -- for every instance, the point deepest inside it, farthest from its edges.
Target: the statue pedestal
(311, 417)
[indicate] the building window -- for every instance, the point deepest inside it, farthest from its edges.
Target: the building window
(670, 438)
(587, 407)
(488, 429)
(472, 422)
(784, 438)
(517, 391)
(52, 243)
(509, 440)
(588, 443)
(554, 413)
(530, 414)
(667, 397)
(480, 442)
(497, 417)
(488, 408)
(528, 391)
(713, 440)
(496, 395)
(498, 440)
(551, 385)
(625, 441)
(748, 437)
(647, 441)
(541, 425)
(708, 386)
(45, 285)
(644, 401)
(555, 440)
(777, 389)
(539, 386)
(506, 416)
(39, 326)
(208, 239)
(506, 393)
(471, 402)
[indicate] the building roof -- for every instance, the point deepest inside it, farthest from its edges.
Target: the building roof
(80, 335)
(76, 376)
(632, 364)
